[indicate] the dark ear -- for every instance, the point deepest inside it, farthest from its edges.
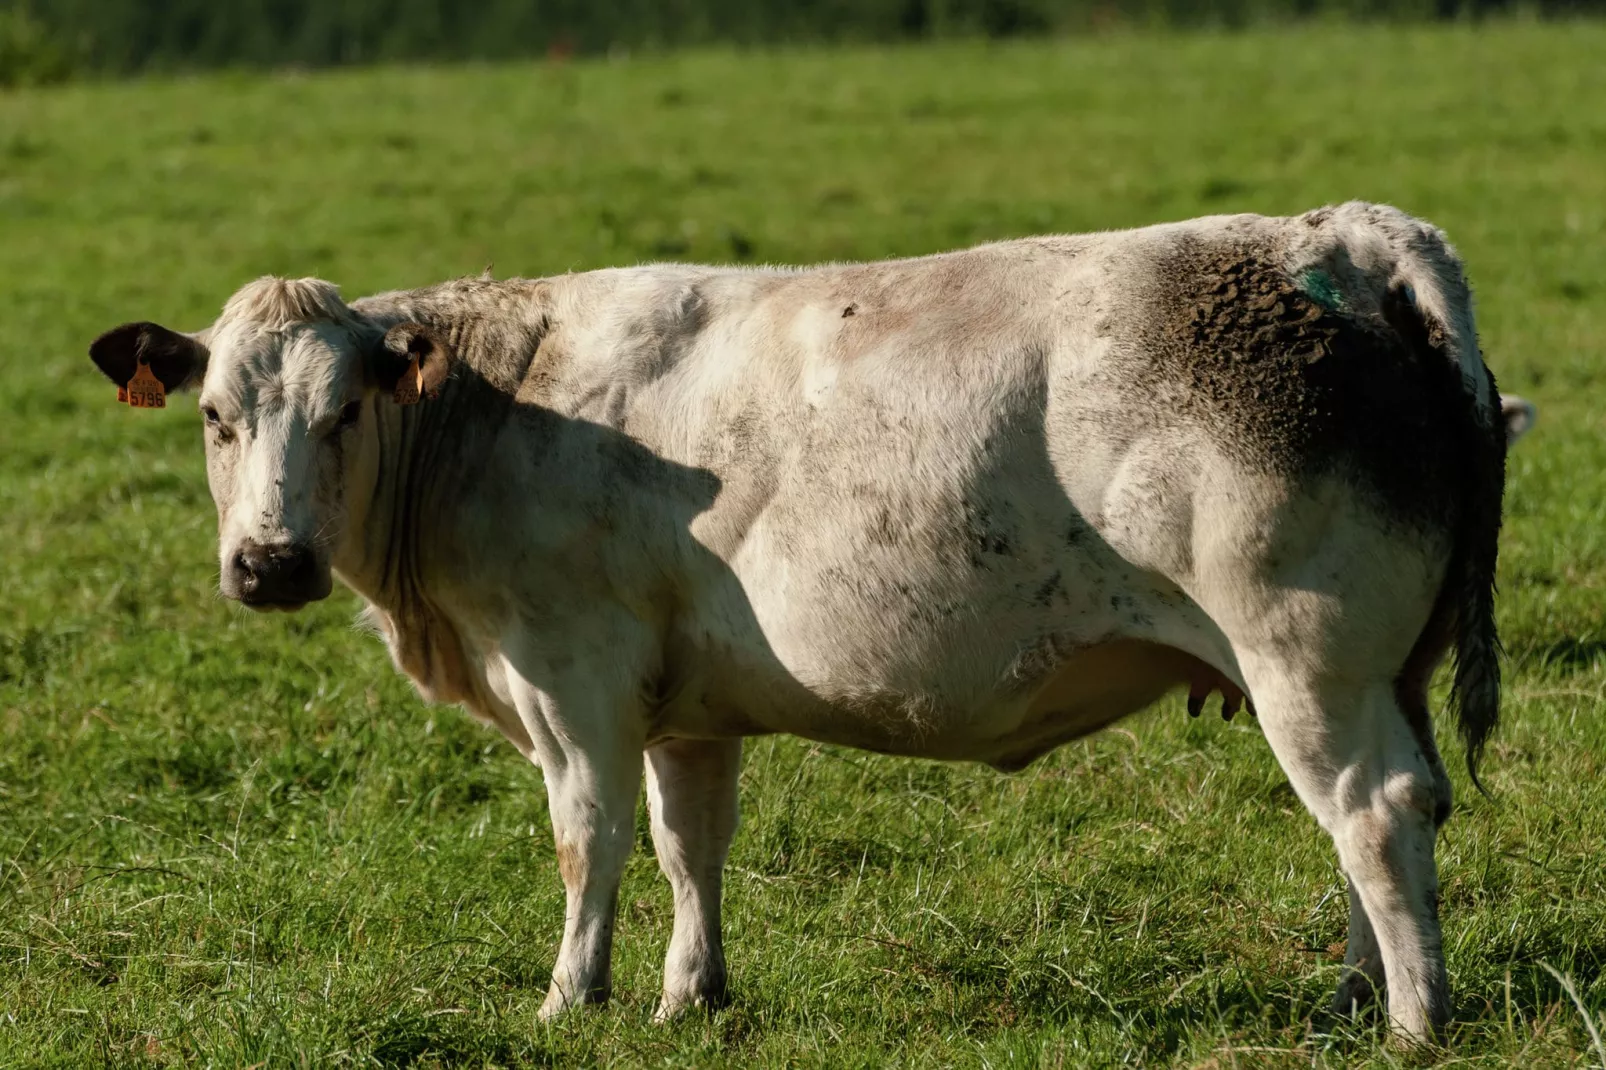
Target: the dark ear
(176, 359)
(412, 362)
(1519, 415)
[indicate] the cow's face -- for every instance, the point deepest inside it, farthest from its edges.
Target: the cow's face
(290, 384)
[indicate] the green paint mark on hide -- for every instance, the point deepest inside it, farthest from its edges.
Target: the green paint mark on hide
(1321, 287)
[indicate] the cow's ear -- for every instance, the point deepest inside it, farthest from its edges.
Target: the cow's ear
(1519, 415)
(178, 360)
(412, 362)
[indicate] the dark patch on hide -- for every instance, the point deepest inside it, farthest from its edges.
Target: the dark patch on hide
(1045, 594)
(988, 534)
(887, 530)
(1283, 382)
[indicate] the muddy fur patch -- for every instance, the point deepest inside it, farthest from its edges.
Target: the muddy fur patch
(1297, 376)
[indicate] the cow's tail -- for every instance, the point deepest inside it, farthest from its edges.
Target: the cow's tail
(1430, 290)
(1475, 689)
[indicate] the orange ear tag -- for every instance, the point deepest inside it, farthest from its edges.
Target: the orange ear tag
(410, 388)
(144, 390)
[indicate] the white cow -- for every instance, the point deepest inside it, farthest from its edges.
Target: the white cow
(967, 507)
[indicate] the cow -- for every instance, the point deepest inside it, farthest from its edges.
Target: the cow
(965, 507)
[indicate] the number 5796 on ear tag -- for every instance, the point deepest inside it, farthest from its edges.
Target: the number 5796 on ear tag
(144, 390)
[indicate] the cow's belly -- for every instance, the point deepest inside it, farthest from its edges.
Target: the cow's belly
(993, 664)
(1007, 727)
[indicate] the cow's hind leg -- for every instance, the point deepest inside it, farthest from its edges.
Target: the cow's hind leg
(1352, 755)
(1363, 961)
(691, 793)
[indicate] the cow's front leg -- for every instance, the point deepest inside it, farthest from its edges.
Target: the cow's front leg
(590, 755)
(691, 792)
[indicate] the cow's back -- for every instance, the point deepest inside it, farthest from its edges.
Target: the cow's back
(1292, 344)
(936, 480)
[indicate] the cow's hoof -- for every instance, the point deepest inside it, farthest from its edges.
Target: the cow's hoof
(554, 1007)
(1417, 1046)
(1355, 993)
(677, 1004)
(559, 1003)
(1418, 1027)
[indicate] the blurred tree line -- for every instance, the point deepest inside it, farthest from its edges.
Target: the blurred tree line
(43, 40)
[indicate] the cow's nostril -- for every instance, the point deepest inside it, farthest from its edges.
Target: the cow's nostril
(245, 570)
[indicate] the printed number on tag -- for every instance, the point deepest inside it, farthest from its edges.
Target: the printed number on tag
(410, 388)
(144, 390)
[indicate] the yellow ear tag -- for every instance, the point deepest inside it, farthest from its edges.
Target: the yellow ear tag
(144, 390)
(410, 388)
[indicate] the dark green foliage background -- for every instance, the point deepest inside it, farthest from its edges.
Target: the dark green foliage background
(52, 37)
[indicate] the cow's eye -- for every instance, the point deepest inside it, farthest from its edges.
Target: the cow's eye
(215, 423)
(349, 416)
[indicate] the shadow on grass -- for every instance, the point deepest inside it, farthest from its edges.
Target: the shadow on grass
(1572, 653)
(417, 1038)
(1247, 1003)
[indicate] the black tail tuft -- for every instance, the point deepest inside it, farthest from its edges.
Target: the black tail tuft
(1475, 691)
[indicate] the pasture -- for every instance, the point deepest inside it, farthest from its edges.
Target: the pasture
(236, 840)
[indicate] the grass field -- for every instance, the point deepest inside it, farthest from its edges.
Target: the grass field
(233, 840)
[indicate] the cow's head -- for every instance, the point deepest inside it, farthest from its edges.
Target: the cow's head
(291, 380)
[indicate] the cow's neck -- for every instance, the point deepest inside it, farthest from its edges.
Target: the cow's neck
(397, 518)
(401, 520)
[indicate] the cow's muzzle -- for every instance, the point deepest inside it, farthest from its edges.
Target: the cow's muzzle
(276, 576)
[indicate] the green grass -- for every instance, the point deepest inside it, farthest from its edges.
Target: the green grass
(233, 840)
